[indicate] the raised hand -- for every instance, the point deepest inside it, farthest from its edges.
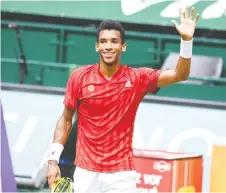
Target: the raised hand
(187, 25)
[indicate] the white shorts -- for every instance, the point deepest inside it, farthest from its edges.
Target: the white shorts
(93, 182)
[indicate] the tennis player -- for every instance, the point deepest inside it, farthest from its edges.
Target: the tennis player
(106, 96)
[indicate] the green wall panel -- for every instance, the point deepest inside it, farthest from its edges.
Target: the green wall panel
(192, 91)
(56, 77)
(137, 51)
(10, 72)
(8, 43)
(37, 45)
(171, 45)
(34, 73)
(83, 49)
(35, 41)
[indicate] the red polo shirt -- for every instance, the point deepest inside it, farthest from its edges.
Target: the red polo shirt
(106, 114)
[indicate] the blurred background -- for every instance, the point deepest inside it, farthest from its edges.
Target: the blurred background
(43, 41)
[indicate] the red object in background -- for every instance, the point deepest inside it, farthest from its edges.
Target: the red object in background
(161, 171)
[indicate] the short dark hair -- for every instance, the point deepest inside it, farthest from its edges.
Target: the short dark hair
(109, 25)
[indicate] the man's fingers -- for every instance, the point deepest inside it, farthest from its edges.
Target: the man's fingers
(58, 175)
(196, 18)
(192, 12)
(181, 14)
(176, 25)
(186, 12)
(51, 180)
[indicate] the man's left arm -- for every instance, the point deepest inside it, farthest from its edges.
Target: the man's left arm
(186, 30)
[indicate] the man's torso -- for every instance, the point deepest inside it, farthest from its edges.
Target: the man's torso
(106, 116)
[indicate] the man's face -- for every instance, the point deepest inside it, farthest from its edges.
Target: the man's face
(110, 46)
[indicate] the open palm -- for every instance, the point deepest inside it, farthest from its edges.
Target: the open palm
(187, 25)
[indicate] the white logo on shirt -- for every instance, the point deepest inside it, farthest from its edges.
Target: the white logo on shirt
(128, 84)
(91, 88)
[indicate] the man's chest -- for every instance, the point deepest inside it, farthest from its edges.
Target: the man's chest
(101, 93)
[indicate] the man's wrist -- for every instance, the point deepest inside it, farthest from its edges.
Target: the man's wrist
(186, 48)
(52, 162)
(186, 38)
(55, 152)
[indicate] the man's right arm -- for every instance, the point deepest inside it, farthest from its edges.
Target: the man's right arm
(63, 127)
(62, 131)
(64, 124)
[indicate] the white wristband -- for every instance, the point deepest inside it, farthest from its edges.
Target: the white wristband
(186, 48)
(55, 152)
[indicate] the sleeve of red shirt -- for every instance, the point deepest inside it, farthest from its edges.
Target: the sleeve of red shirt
(71, 94)
(148, 80)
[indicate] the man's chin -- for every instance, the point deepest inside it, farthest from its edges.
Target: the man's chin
(109, 62)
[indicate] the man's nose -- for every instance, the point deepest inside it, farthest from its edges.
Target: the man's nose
(108, 46)
(108, 49)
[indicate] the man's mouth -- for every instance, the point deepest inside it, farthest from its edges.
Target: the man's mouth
(108, 54)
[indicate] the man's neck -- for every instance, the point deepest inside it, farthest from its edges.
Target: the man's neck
(108, 71)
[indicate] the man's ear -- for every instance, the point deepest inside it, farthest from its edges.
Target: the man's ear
(97, 47)
(124, 47)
